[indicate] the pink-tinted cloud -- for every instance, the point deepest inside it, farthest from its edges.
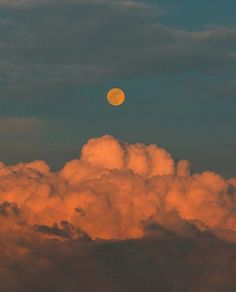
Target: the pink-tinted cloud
(113, 190)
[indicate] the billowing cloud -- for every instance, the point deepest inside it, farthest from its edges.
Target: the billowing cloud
(114, 191)
(117, 206)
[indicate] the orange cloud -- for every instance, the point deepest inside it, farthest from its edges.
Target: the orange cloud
(162, 225)
(113, 191)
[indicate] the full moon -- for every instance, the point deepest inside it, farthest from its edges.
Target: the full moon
(116, 96)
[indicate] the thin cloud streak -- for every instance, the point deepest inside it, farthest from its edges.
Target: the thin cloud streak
(100, 46)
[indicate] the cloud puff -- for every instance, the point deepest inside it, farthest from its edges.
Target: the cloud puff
(109, 153)
(117, 206)
(114, 190)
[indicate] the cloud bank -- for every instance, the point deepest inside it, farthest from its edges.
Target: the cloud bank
(114, 191)
(115, 199)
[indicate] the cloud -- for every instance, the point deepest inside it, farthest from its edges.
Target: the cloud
(114, 190)
(150, 263)
(126, 3)
(118, 212)
(93, 44)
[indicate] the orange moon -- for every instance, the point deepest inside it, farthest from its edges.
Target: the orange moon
(116, 96)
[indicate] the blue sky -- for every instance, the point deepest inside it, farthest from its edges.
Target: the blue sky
(176, 61)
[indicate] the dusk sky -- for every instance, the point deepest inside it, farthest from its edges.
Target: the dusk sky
(135, 193)
(176, 62)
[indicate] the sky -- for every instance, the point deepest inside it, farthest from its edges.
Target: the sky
(140, 197)
(175, 61)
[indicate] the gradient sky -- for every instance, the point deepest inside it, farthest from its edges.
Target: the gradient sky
(176, 61)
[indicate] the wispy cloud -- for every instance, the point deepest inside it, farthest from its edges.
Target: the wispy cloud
(81, 42)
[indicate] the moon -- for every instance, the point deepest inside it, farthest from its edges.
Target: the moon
(116, 96)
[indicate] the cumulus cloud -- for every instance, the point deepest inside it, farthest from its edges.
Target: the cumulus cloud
(113, 191)
(114, 201)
